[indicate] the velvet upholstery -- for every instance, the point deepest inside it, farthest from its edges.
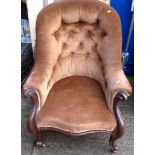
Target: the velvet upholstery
(76, 104)
(78, 38)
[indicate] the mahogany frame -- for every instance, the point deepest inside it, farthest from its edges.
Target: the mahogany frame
(117, 133)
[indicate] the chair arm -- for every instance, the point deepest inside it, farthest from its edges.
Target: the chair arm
(117, 84)
(37, 81)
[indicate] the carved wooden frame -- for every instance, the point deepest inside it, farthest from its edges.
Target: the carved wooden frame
(37, 132)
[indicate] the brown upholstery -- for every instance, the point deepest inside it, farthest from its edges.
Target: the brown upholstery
(77, 38)
(76, 104)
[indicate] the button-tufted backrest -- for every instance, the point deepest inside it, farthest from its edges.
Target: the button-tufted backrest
(78, 37)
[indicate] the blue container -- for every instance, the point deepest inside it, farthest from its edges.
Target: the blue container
(123, 7)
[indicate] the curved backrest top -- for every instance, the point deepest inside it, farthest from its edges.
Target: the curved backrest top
(72, 11)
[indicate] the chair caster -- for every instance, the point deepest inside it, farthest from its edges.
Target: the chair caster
(113, 148)
(39, 143)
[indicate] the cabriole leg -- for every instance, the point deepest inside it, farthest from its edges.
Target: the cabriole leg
(119, 130)
(31, 123)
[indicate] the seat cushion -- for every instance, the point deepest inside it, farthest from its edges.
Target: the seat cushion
(76, 104)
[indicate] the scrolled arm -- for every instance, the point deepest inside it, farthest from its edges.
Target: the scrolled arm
(122, 95)
(30, 92)
(117, 87)
(37, 83)
(31, 124)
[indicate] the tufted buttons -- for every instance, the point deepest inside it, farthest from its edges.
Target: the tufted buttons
(94, 47)
(100, 59)
(72, 33)
(87, 55)
(72, 53)
(80, 46)
(97, 23)
(64, 46)
(89, 33)
(103, 34)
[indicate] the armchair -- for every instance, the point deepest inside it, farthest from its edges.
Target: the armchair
(77, 81)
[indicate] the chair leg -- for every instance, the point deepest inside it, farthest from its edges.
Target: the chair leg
(37, 133)
(39, 142)
(113, 146)
(117, 133)
(119, 130)
(31, 123)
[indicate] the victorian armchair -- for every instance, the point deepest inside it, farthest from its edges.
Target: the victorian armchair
(77, 80)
